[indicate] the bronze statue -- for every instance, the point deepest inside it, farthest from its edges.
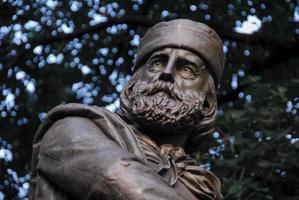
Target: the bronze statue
(167, 108)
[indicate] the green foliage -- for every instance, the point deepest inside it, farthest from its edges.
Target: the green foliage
(259, 139)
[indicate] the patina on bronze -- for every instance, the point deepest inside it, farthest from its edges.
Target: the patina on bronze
(167, 108)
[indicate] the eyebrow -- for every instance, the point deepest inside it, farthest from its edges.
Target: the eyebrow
(159, 54)
(189, 56)
(185, 60)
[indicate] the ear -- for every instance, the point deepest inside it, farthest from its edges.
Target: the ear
(210, 95)
(209, 103)
(206, 103)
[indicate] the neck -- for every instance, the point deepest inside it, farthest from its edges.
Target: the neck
(175, 139)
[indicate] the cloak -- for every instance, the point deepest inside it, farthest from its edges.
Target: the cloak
(87, 152)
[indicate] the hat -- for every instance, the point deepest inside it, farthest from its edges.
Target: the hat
(186, 34)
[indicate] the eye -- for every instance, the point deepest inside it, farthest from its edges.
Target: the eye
(187, 72)
(156, 66)
(186, 69)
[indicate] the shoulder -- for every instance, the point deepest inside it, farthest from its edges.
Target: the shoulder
(72, 132)
(75, 109)
(71, 122)
(81, 110)
(70, 126)
(66, 115)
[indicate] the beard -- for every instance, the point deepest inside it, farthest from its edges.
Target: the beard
(161, 106)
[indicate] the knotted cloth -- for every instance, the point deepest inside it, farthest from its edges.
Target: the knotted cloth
(173, 164)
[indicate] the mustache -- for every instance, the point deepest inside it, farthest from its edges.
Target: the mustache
(160, 86)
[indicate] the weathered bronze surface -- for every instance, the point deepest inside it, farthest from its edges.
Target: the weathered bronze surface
(167, 108)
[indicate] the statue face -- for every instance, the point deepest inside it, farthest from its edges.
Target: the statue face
(172, 91)
(179, 67)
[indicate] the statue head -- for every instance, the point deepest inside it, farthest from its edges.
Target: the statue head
(177, 69)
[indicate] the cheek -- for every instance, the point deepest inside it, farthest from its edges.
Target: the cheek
(147, 76)
(189, 86)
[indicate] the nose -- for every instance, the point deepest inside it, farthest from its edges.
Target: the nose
(167, 74)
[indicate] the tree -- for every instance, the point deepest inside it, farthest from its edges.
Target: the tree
(54, 52)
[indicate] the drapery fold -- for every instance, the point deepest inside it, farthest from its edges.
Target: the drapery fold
(154, 164)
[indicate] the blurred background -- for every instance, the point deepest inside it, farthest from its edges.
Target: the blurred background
(54, 52)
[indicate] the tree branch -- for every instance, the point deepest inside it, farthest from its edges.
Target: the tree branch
(276, 57)
(254, 39)
(257, 39)
(134, 20)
